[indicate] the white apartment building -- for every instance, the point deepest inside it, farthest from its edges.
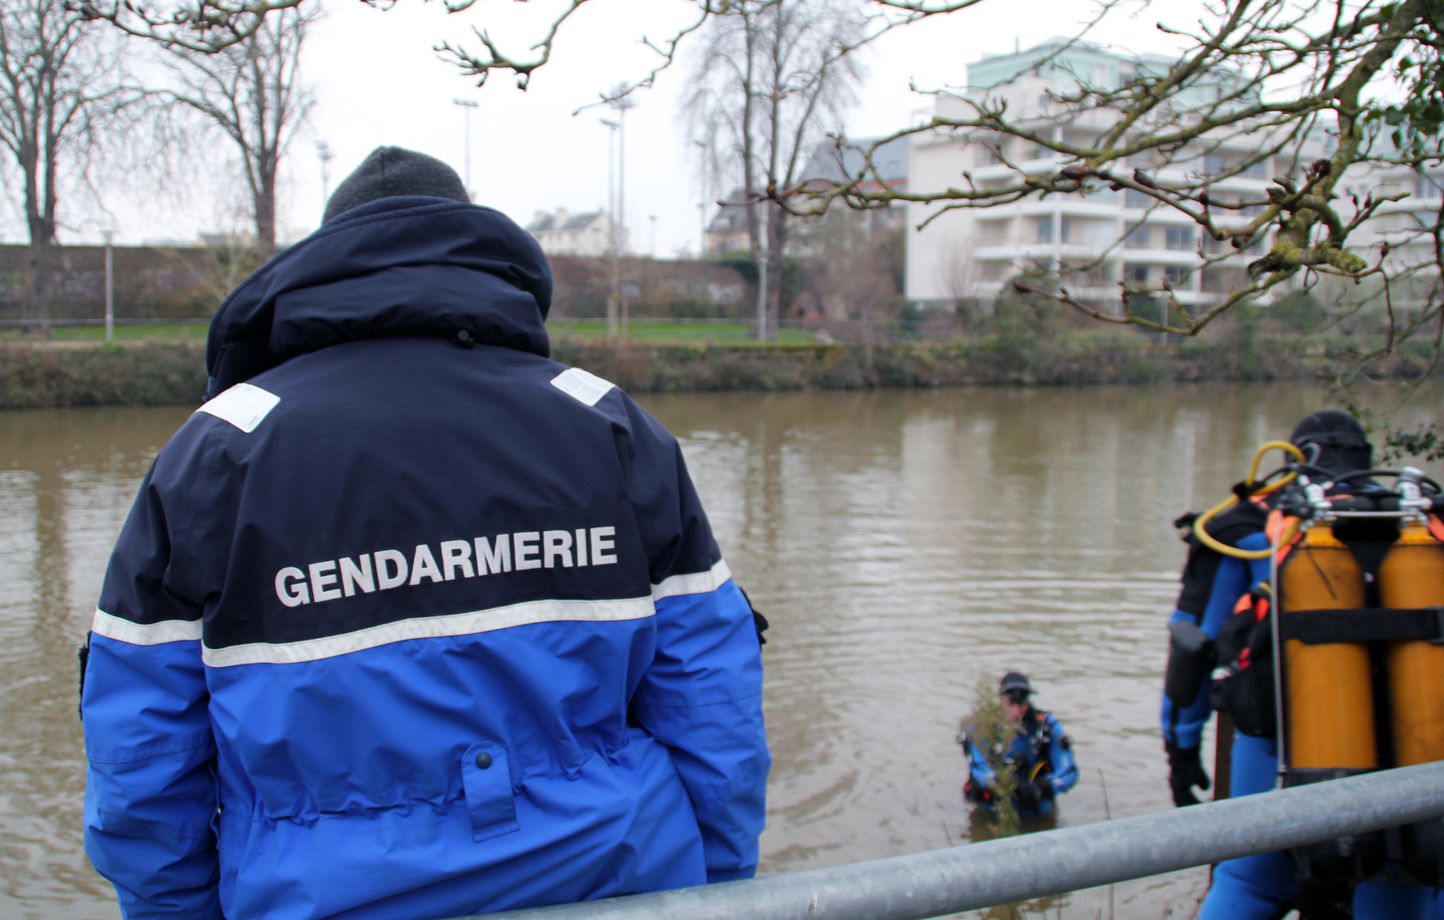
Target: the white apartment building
(588, 234)
(1406, 225)
(1094, 242)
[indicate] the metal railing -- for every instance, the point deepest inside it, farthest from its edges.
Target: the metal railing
(1015, 869)
(100, 321)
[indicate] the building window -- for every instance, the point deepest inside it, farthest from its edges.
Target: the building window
(1136, 199)
(1180, 238)
(1066, 235)
(1214, 164)
(1138, 274)
(1137, 237)
(993, 271)
(992, 232)
(1426, 189)
(1175, 274)
(1043, 229)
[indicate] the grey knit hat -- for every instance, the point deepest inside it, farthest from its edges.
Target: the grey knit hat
(391, 171)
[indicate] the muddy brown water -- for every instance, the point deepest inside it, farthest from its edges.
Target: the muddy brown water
(904, 545)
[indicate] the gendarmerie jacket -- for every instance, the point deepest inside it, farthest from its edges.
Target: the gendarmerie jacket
(409, 620)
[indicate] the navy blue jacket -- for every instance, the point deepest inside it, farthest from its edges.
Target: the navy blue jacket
(409, 620)
(1212, 584)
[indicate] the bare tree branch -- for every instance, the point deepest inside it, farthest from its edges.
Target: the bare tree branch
(62, 91)
(253, 94)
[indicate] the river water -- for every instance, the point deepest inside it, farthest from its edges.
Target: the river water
(905, 546)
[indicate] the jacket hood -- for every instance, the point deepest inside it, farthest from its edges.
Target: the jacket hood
(404, 266)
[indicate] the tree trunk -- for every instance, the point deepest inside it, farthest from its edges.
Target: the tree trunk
(776, 252)
(37, 298)
(265, 204)
(761, 327)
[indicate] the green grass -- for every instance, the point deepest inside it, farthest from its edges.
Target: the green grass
(137, 332)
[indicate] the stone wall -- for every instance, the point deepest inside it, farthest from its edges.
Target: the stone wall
(169, 283)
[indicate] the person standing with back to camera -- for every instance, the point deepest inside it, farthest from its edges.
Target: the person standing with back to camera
(409, 620)
(1228, 585)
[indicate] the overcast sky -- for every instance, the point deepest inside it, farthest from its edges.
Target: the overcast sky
(378, 81)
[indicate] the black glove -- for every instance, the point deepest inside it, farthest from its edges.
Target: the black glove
(1034, 792)
(1028, 794)
(1185, 770)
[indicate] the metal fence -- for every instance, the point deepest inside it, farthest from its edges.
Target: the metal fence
(1014, 869)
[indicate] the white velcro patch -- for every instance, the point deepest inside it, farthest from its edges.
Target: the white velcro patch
(584, 387)
(243, 405)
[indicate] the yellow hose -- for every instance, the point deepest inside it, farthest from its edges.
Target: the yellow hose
(1200, 523)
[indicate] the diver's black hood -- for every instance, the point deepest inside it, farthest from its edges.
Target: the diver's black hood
(1334, 441)
(405, 266)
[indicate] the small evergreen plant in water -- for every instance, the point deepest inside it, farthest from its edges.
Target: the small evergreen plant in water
(993, 733)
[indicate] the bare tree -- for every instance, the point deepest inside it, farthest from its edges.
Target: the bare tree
(252, 93)
(774, 79)
(1302, 84)
(851, 272)
(59, 91)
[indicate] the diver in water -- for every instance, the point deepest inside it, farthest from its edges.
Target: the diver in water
(1039, 755)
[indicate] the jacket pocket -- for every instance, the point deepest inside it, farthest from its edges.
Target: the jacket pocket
(490, 801)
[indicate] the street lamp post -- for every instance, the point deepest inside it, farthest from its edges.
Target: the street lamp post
(467, 105)
(323, 150)
(109, 285)
(702, 206)
(621, 103)
(613, 250)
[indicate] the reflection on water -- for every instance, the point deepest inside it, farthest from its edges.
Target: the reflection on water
(66, 481)
(904, 546)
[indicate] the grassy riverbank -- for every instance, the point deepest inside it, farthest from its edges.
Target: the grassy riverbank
(45, 375)
(158, 372)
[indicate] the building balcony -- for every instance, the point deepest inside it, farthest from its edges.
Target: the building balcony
(1156, 256)
(1039, 251)
(1093, 293)
(1157, 215)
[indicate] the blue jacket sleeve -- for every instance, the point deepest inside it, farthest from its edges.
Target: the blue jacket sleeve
(702, 698)
(1212, 585)
(979, 770)
(702, 694)
(150, 794)
(1064, 775)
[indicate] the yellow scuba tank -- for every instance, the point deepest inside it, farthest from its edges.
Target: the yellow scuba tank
(1411, 576)
(1328, 694)
(1358, 640)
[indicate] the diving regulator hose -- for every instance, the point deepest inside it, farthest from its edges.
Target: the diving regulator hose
(1252, 487)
